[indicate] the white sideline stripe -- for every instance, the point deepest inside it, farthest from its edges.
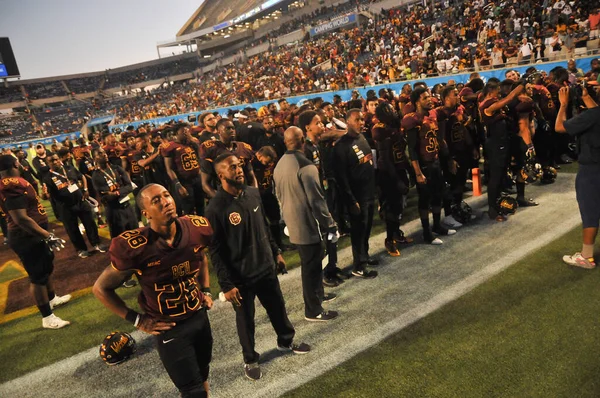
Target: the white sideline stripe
(364, 342)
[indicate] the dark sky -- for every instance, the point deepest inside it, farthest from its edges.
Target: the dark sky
(60, 37)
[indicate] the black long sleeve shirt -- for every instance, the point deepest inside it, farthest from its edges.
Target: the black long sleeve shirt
(113, 179)
(354, 171)
(242, 249)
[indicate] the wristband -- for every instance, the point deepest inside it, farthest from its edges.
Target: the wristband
(176, 181)
(205, 290)
(132, 317)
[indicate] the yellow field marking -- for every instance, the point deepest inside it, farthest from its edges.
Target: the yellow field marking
(15, 264)
(33, 309)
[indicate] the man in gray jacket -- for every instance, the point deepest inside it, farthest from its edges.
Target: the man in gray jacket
(305, 212)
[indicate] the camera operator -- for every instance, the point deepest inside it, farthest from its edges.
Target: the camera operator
(585, 127)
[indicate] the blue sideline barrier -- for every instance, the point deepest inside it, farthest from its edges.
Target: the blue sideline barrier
(45, 141)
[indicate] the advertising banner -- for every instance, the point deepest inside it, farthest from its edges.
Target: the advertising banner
(333, 24)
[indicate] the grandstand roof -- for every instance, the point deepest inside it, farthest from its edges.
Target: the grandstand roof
(214, 13)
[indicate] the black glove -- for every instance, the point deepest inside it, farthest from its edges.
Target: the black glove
(54, 242)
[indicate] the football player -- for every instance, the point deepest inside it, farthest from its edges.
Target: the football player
(425, 148)
(210, 150)
(168, 259)
(452, 121)
(494, 117)
(29, 239)
(183, 168)
(392, 176)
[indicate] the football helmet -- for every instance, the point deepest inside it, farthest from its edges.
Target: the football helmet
(507, 205)
(117, 347)
(548, 175)
(531, 172)
(462, 212)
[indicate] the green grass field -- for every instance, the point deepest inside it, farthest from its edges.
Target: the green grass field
(531, 331)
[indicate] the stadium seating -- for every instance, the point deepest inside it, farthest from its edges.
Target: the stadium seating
(10, 94)
(84, 84)
(48, 89)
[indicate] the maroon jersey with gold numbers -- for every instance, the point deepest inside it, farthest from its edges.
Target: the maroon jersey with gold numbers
(168, 275)
(427, 148)
(17, 193)
(184, 158)
(397, 141)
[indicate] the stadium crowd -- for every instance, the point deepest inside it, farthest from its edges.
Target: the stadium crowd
(400, 44)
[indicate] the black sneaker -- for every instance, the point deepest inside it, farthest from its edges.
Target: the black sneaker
(300, 349)
(83, 254)
(341, 274)
(330, 282)
(100, 248)
(252, 371)
(373, 261)
(365, 274)
(323, 316)
(329, 297)
(526, 202)
(443, 231)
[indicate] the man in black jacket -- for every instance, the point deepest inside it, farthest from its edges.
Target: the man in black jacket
(246, 260)
(68, 188)
(114, 186)
(355, 174)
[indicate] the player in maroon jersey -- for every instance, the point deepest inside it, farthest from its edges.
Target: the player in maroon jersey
(29, 239)
(392, 177)
(129, 162)
(113, 149)
(452, 120)
(210, 150)
(183, 168)
(168, 259)
(425, 148)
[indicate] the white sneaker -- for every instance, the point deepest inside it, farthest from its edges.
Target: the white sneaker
(54, 322)
(451, 222)
(437, 241)
(59, 300)
(451, 231)
(577, 260)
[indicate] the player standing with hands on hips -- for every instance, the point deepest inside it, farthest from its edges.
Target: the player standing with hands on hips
(585, 127)
(168, 258)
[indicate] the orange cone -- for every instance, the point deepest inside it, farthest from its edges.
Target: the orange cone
(476, 182)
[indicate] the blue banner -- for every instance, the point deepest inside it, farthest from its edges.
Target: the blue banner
(45, 141)
(334, 24)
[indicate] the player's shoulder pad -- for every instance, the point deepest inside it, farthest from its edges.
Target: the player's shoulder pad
(197, 222)
(410, 121)
(465, 91)
(130, 243)
(14, 186)
(246, 146)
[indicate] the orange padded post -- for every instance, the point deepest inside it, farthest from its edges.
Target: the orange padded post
(476, 182)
